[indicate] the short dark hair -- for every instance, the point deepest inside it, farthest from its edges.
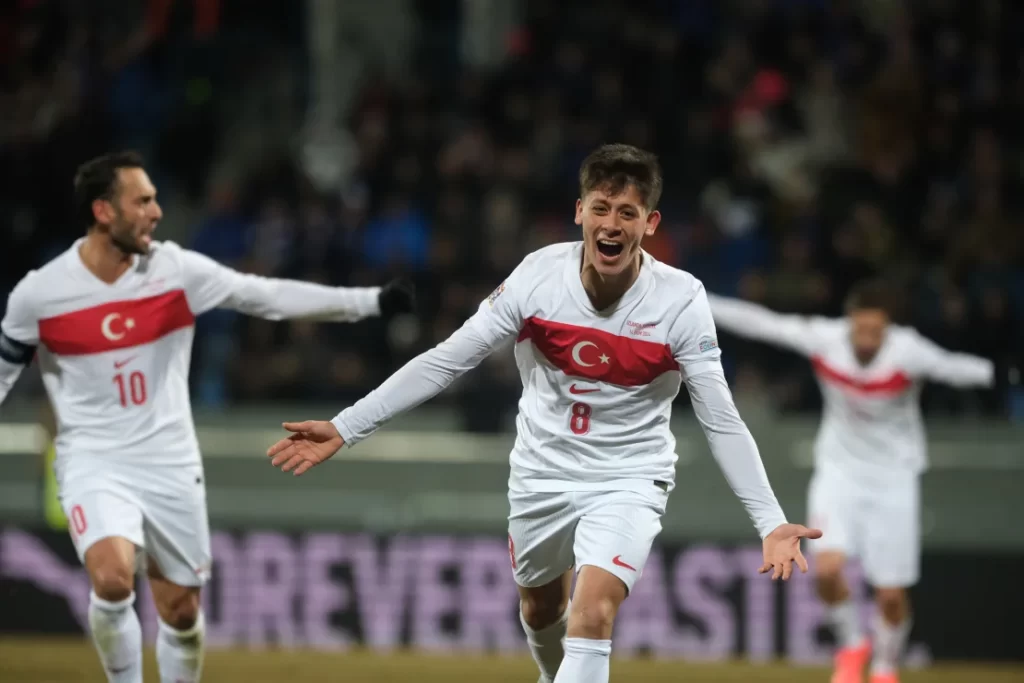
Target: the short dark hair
(613, 168)
(97, 179)
(874, 294)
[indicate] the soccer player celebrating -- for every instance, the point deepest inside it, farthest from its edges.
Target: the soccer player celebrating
(869, 453)
(112, 321)
(605, 337)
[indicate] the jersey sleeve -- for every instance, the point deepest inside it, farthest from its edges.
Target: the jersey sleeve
(210, 285)
(497, 320)
(20, 324)
(500, 315)
(929, 361)
(19, 335)
(734, 449)
(694, 340)
(751, 321)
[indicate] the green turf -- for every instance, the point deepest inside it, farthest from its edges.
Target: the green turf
(64, 661)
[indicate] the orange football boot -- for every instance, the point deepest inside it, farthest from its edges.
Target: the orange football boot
(850, 663)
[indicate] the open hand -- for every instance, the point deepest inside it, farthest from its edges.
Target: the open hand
(311, 443)
(782, 548)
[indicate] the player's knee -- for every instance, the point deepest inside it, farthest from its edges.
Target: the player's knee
(180, 611)
(539, 611)
(892, 604)
(593, 618)
(828, 566)
(830, 586)
(113, 582)
(828, 577)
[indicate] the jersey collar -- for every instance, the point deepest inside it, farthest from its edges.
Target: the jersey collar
(78, 265)
(575, 284)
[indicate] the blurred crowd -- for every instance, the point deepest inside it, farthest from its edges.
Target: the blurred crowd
(806, 144)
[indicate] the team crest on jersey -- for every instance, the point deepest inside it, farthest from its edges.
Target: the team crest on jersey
(496, 293)
(707, 344)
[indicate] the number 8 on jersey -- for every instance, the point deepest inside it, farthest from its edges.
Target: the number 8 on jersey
(579, 418)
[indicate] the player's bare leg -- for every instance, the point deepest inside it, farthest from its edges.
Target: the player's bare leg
(892, 627)
(543, 611)
(113, 623)
(179, 645)
(853, 649)
(588, 644)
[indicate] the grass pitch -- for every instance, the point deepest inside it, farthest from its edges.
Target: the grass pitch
(74, 661)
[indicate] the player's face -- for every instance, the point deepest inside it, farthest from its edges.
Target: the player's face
(867, 332)
(613, 227)
(135, 212)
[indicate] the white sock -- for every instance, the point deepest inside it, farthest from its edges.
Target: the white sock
(889, 644)
(586, 661)
(546, 645)
(118, 637)
(179, 654)
(845, 623)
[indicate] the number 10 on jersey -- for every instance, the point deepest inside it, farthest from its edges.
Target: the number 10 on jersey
(579, 418)
(131, 389)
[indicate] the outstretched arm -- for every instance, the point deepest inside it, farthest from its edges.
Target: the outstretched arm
(756, 322)
(696, 350)
(419, 380)
(734, 449)
(209, 285)
(498, 320)
(960, 370)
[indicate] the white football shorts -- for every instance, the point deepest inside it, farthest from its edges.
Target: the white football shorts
(161, 510)
(878, 523)
(550, 533)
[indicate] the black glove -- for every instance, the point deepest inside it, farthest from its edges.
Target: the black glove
(397, 296)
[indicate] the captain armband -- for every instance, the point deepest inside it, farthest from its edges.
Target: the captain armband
(16, 352)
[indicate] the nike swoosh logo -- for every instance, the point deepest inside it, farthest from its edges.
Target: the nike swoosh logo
(617, 561)
(574, 390)
(118, 364)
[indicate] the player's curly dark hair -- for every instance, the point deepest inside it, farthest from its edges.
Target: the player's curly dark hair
(97, 179)
(613, 168)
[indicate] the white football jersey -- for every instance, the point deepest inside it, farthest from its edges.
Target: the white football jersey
(872, 419)
(598, 386)
(115, 357)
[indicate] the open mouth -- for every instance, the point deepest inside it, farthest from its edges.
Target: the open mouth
(608, 248)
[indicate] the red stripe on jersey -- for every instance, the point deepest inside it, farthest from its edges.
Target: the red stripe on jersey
(597, 355)
(893, 384)
(116, 325)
